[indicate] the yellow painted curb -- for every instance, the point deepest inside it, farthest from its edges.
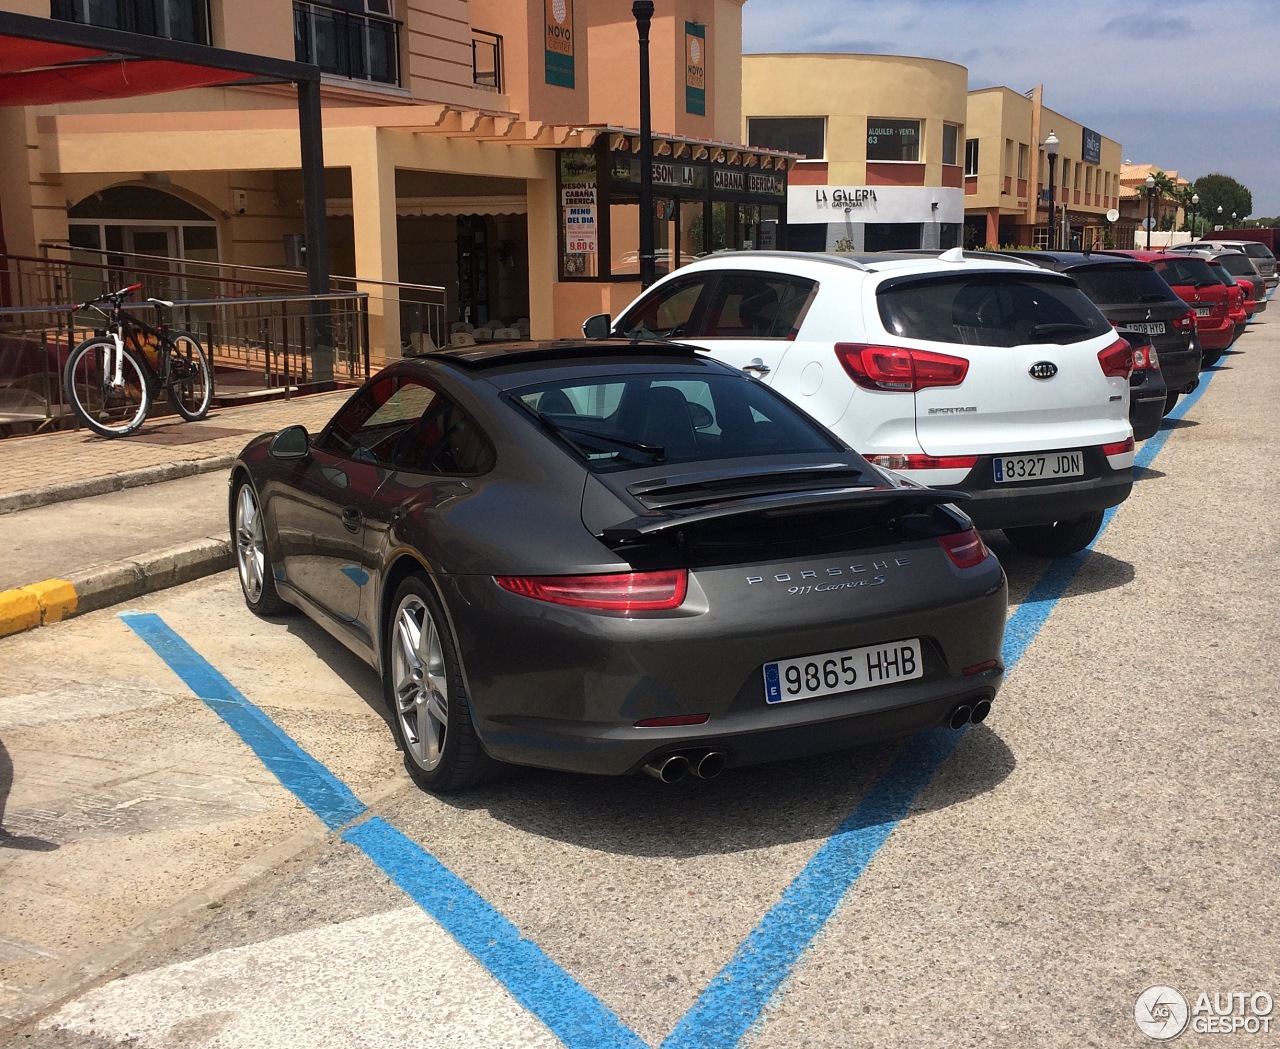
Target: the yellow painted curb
(19, 610)
(30, 606)
(57, 599)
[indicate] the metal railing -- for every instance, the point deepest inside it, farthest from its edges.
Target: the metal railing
(358, 46)
(290, 343)
(72, 274)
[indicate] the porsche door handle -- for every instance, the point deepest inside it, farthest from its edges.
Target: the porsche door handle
(758, 366)
(350, 518)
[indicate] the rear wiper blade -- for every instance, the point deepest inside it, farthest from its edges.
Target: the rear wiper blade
(1152, 297)
(1057, 328)
(656, 450)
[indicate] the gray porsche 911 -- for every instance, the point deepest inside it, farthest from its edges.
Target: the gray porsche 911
(607, 557)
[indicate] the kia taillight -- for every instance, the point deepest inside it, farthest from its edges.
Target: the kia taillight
(1119, 448)
(620, 592)
(898, 368)
(965, 549)
(924, 462)
(1117, 359)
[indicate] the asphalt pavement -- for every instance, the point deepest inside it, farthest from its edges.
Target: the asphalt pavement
(1107, 831)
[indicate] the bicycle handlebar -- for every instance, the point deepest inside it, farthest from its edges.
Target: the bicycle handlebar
(110, 296)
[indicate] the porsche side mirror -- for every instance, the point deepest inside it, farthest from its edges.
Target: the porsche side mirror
(597, 327)
(293, 442)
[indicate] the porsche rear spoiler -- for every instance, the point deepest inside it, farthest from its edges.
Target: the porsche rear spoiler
(778, 504)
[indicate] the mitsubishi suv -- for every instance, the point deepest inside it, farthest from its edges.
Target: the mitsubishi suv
(990, 377)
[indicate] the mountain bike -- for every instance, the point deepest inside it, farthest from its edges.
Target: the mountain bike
(111, 380)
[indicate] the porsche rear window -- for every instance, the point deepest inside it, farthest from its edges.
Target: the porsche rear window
(639, 419)
(990, 310)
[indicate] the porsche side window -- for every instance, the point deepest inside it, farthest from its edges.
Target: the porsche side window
(443, 440)
(666, 314)
(369, 426)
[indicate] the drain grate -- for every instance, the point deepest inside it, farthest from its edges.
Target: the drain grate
(185, 433)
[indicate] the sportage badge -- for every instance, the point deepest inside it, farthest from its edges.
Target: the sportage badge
(1043, 370)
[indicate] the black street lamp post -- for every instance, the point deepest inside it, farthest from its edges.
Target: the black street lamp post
(1195, 214)
(1151, 185)
(1051, 151)
(642, 10)
(1219, 216)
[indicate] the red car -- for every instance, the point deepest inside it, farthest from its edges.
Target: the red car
(1195, 281)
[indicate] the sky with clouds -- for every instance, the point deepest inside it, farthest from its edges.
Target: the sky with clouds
(1188, 85)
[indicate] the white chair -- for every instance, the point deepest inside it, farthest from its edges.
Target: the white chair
(462, 338)
(420, 342)
(506, 334)
(522, 326)
(461, 326)
(484, 332)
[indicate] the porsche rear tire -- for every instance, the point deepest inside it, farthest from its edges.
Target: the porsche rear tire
(422, 685)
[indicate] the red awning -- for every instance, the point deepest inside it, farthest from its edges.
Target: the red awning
(37, 72)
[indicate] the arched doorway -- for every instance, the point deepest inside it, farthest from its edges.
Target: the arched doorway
(146, 231)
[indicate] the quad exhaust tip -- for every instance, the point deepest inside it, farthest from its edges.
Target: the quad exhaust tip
(672, 768)
(965, 714)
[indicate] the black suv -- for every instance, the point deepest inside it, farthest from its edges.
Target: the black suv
(1131, 294)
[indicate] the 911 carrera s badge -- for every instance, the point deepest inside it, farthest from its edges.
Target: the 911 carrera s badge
(1043, 370)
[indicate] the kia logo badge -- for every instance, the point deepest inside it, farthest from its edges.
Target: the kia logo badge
(1043, 370)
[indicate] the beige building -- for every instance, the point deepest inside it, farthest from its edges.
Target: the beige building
(900, 154)
(483, 146)
(881, 136)
(1007, 178)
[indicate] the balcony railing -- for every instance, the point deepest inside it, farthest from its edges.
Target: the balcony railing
(357, 46)
(172, 19)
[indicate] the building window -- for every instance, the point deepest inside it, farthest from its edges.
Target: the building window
(351, 38)
(971, 156)
(1024, 155)
(172, 19)
(486, 60)
(803, 135)
(950, 144)
(890, 138)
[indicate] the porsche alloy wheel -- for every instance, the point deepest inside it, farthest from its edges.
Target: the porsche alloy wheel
(253, 561)
(422, 681)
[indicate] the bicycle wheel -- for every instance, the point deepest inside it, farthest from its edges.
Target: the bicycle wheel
(190, 379)
(106, 387)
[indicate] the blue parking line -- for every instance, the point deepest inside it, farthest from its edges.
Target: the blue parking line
(573, 1014)
(313, 784)
(735, 1000)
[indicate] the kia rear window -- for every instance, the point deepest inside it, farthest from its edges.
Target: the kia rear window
(989, 310)
(1122, 285)
(1258, 251)
(654, 417)
(1238, 265)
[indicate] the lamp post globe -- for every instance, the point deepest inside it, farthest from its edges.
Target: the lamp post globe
(1051, 152)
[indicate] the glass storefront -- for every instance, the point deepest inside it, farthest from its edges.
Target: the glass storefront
(699, 205)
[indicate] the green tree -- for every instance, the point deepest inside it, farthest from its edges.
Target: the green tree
(1225, 192)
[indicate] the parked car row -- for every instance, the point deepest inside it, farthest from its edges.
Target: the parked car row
(744, 528)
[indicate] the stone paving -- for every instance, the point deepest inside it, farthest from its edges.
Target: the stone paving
(43, 468)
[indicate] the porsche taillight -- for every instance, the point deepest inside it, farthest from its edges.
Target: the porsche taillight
(616, 592)
(899, 369)
(965, 549)
(1117, 359)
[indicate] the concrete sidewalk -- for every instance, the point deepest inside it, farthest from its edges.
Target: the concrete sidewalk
(79, 536)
